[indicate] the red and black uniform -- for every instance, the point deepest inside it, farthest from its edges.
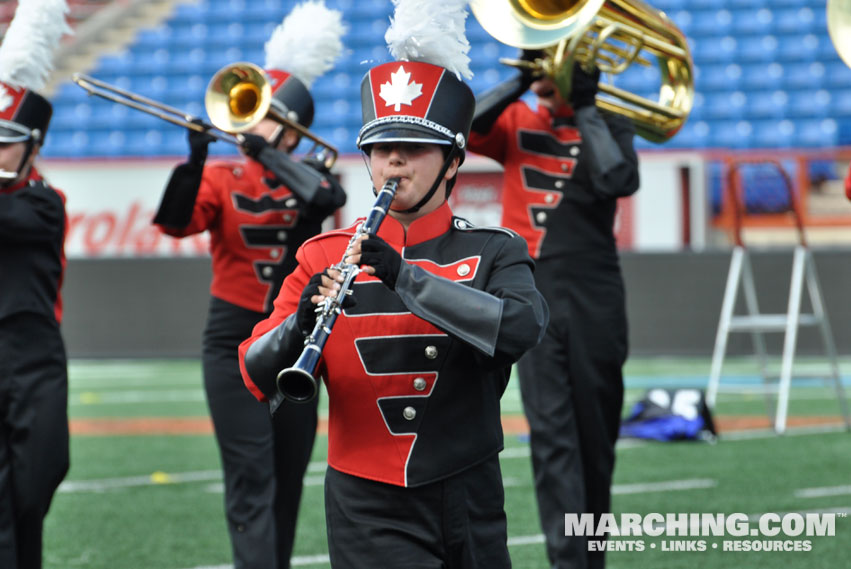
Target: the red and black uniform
(563, 175)
(34, 455)
(414, 377)
(255, 227)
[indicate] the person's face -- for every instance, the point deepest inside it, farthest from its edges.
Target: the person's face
(269, 129)
(547, 92)
(11, 154)
(417, 165)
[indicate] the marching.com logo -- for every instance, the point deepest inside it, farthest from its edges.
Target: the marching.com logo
(764, 532)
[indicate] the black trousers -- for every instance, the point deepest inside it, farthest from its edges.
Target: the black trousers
(572, 390)
(455, 523)
(34, 455)
(264, 458)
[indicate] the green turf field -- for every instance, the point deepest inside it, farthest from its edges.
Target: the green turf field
(155, 501)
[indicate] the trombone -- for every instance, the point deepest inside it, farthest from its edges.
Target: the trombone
(237, 98)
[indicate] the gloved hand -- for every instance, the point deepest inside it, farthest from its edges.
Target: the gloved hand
(198, 143)
(584, 87)
(316, 164)
(529, 75)
(253, 144)
(306, 311)
(386, 261)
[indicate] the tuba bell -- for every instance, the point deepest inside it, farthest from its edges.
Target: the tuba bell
(610, 35)
(838, 26)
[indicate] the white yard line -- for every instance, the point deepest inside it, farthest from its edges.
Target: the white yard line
(823, 492)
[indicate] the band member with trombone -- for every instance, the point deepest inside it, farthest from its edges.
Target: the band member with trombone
(566, 164)
(421, 350)
(258, 212)
(34, 454)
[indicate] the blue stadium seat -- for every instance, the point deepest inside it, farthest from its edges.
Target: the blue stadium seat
(767, 104)
(754, 20)
(817, 133)
(729, 105)
(713, 50)
(723, 77)
(752, 49)
(774, 134)
(808, 103)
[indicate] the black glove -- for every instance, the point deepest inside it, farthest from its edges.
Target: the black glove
(583, 88)
(316, 164)
(198, 143)
(253, 144)
(386, 261)
(527, 74)
(306, 311)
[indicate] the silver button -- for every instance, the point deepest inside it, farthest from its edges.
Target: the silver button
(282, 236)
(464, 270)
(574, 150)
(274, 253)
(550, 198)
(565, 167)
(267, 271)
(559, 184)
(291, 202)
(431, 352)
(541, 217)
(409, 413)
(288, 217)
(420, 384)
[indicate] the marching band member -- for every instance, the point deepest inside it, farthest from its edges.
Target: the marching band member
(34, 454)
(566, 164)
(258, 212)
(419, 358)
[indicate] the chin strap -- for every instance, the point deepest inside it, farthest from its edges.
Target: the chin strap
(457, 146)
(21, 175)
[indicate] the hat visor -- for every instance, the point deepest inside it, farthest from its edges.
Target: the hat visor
(401, 133)
(13, 132)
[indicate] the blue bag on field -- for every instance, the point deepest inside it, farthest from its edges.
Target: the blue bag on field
(670, 415)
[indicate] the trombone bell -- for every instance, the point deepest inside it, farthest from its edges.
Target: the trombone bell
(238, 97)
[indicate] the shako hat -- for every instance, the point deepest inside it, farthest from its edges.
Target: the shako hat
(302, 47)
(26, 61)
(420, 97)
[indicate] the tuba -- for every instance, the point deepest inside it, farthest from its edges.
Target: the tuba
(838, 26)
(610, 35)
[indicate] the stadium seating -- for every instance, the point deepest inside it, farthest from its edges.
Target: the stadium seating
(766, 75)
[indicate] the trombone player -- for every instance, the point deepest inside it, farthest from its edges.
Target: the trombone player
(566, 164)
(258, 213)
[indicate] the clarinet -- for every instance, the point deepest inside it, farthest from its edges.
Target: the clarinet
(297, 383)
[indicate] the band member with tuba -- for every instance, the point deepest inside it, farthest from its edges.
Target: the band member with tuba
(566, 164)
(421, 351)
(34, 454)
(258, 212)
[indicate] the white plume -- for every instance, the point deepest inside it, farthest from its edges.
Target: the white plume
(308, 42)
(26, 55)
(431, 32)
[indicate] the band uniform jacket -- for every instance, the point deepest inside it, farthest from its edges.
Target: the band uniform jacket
(33, 224)
(561, 189)
(415, 375)
(254, 232)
